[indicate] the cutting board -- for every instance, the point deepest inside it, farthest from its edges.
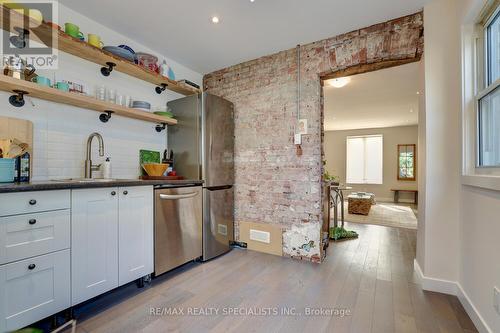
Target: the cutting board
(18, 129)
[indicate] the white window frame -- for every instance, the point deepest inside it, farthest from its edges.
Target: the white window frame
(483, 87)
(365, 182)
(474, 86)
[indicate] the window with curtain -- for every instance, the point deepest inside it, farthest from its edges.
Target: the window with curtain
(488, 96)
(364, 160)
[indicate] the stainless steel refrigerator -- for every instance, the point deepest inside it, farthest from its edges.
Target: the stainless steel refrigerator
(203, 146)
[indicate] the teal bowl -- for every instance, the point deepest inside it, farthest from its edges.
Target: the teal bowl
(7, 168)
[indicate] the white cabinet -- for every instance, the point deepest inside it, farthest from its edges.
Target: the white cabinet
(33, 289)
(29, 235)
(135, 233)
(94, 242)
(32, 202)
(34, 256)
(111, 239)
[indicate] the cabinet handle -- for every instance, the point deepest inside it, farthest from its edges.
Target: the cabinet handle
(113, 193)
(32, 221)
(32, 202)
(125, 192)
(31, 266)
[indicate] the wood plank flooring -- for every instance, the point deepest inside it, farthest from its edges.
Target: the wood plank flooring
(370, 278)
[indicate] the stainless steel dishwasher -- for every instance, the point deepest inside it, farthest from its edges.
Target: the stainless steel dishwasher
(178, 226)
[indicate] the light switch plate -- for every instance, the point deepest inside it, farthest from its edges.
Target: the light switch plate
(298, 139)
(496, 299)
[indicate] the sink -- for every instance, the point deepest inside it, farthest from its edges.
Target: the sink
(85, 180)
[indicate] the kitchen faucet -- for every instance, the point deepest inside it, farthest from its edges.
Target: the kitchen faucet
(89, 167)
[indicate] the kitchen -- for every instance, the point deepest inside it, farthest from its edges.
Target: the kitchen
(73, 208)
(162, 169)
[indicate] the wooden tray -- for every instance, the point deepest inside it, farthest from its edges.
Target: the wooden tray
(162, 178)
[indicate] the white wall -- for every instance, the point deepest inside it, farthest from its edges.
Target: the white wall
(442, 126)
(61, 131)
(335, 155)
(461, 222)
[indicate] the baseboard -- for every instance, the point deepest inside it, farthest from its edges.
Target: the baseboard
(472, 311)
(433, 284)
(455, 289)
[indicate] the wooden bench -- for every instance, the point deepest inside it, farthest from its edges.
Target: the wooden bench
(396, 195)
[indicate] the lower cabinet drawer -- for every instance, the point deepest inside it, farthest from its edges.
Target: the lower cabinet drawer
(33, 202)
(33, 289)
(29, 235)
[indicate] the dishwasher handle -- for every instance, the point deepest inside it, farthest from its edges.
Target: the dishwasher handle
(178, 196)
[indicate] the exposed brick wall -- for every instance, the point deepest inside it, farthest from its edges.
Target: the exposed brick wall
(273, 185)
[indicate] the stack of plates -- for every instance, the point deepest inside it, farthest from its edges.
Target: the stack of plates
(163, 111)
(141, 105)
(164, 114)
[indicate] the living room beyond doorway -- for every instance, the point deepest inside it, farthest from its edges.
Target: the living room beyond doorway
(370, 146)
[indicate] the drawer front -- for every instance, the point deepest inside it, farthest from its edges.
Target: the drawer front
(29, 235)
(33, 289)
(33, 202)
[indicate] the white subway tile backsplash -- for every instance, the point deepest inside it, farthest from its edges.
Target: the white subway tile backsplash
(61, 131)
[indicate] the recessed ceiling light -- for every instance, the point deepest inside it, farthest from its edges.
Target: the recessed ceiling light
(339, 82)
(411, 110)
(418, 92)
(252, 0)
(215, 19)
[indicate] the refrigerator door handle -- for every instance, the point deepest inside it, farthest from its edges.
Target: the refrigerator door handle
(178, 196)
(211, 144)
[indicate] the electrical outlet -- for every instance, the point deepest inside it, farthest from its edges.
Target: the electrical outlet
(496, 299)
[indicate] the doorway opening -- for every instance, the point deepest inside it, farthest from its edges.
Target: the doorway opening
(369, 147)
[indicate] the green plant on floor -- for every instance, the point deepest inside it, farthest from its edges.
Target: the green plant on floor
(339, 233)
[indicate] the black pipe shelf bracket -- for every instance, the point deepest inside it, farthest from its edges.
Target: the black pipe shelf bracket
(161, 127)
(107, 70)
(161, 88)
(19, 41)
(106, 116)
(17, 100)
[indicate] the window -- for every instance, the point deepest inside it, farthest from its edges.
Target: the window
(406, 162)
(364, 160)
(488, 98)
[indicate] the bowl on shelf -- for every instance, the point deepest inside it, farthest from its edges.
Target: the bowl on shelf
(141, 105)
(128, 48)
(120, 52)
(155, 169)
(164, 114)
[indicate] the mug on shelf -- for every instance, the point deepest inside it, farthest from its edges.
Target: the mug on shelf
(73, 30)
(95, 40)
(64, 86)
(41, 80)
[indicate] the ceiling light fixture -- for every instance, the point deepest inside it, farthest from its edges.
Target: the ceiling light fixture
(215, 19)
(411, 110)
(339, 82)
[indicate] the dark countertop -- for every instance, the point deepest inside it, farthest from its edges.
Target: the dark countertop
(75, 184)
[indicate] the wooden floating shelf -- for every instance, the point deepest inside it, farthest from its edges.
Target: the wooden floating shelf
(88, 52)
(10, 84)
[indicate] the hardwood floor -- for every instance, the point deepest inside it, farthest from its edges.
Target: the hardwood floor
(371, 279)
